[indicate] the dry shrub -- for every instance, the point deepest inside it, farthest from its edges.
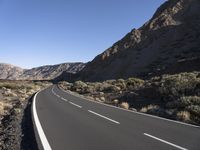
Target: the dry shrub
(115, 101)
(124, 105)
(194, 110)
(183, 115)
(102, 98)
(189, 100)
(9, 85)
(134, 83)
(148, 108)
(174, 86)
(4, 107)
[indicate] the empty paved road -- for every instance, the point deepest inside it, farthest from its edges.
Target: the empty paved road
(67, 122)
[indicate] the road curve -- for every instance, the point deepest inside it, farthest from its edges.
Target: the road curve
(67, 122)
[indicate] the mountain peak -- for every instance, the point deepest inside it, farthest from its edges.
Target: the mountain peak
(170, 36)
(173, 12)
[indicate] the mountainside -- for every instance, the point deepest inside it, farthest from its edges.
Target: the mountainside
(8, 71)
(167, 43)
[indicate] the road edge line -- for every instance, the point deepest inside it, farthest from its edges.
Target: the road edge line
(42, 136)
(164, 141)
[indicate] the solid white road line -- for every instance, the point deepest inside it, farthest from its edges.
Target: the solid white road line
(75, 105)
(161, 140)
(139, 113)
(103, 117)
(40, 131)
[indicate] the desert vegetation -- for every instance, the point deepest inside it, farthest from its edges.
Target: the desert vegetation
(172, 96)
(13, 100)
(12, 92)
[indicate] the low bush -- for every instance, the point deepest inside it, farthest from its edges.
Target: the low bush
(4, 107)
(149, 108)
(124, 105)
(184, 116)
(134, 83)
(189, 100)
(171, 87)
(194, 109)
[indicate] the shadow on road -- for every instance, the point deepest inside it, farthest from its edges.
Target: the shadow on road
(28, 139)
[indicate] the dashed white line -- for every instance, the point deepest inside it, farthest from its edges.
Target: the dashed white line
(166, 142)
(75, 105)
(64, 99)
(40, 131)
(56, 94)
(139, 113)
(104, 117)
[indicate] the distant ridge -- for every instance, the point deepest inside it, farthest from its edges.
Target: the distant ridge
(48, 72)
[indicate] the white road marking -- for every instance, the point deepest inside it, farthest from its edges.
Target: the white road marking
(53, 91)
(40, 131)
(64, 99)
(139, 113)
(58, 95)
(166, 142)
(103, 117)
(75, 105)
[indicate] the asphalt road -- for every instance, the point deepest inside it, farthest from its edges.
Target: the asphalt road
(66, 122)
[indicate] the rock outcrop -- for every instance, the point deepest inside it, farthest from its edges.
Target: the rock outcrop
(168, 41)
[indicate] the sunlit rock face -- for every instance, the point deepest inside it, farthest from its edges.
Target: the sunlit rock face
(49, 72)
(167, 43)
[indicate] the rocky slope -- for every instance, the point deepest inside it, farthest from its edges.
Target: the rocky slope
(8, 71)
(167, 43)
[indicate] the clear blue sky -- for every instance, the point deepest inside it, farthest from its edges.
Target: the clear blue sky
(40, 32)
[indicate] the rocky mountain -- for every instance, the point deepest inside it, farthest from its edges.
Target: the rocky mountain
(48, 72)
(8, 71)
(167, 43)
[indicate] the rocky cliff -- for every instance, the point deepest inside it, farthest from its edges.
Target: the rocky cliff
(167, 43)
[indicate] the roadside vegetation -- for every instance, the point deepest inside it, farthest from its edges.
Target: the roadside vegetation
(172, 96)
(13, 98)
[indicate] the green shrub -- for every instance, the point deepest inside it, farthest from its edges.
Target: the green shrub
(111, 88)
(189, 100)
(121, 83)
(194, 109)
(172, 87)
(134, 83)
(80, 84)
